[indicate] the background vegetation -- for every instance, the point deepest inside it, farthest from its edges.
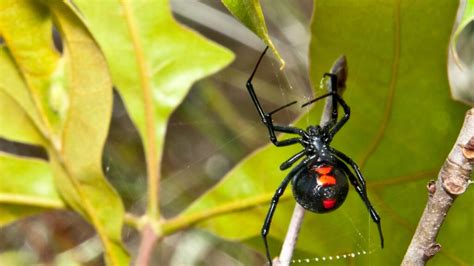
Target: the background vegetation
(76, 153)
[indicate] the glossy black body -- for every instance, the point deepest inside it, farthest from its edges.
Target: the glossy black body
(332, 189)
(310, 193)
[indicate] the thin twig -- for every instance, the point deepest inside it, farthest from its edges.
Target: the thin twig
(453, 180)
(133, 221)
(148, 242)
(340, 69)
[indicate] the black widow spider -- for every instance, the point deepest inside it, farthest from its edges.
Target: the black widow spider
(320, 179)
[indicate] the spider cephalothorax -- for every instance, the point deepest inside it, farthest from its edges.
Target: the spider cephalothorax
(320, 180)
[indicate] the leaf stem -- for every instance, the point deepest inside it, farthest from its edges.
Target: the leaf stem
(153, 232)
(133, 221)
(149, 233)
(149, 139)
(33, 201)
(183, 222)
(147, 243)
(453, 180)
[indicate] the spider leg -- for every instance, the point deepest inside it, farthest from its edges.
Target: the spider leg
(350, 162)
(267, 117)
(276, 197)
(317, 99)
(288, 163)
(361, 190)
(292, 130)
(333, 123)
(282, 107)
(340, 123)
(332, 91)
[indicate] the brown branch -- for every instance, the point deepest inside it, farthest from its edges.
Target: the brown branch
(453, 180)
(340, 69)
(148, 242)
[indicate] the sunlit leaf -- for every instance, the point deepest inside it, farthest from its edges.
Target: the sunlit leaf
(33, 52)
(27, 188)
(84, 135)
(402, 127)
(16, 124)
(68, 99)
(153, 62)
(18, 117)
(249, 12)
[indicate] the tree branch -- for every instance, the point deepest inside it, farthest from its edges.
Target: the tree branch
(340, 69)
(148, 242)
(453, 180)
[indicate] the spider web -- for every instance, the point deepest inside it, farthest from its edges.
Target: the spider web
(201, 145)
(303, 97)
(211, 132)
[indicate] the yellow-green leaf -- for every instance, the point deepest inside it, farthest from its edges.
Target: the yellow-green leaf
(18, 117)
(249, 12)
(153, 62)
(461, 56)
(15, 124)
(13, 86)
(27, 188)
(68, 97)
(467, 17)
(26, 28)
(78, 165)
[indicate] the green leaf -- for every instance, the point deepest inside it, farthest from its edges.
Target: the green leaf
(153, 62)
(16, 124)
(68, 99)
(77, 167)
(249, 12)
(34, 54)
(403, 124)
(27, 188)
(461, 57)
(467, 17)
(18, 117)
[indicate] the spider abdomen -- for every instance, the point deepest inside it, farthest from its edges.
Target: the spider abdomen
(320, 188)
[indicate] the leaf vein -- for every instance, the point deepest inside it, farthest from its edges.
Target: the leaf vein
(151, 150)
(391, 92)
